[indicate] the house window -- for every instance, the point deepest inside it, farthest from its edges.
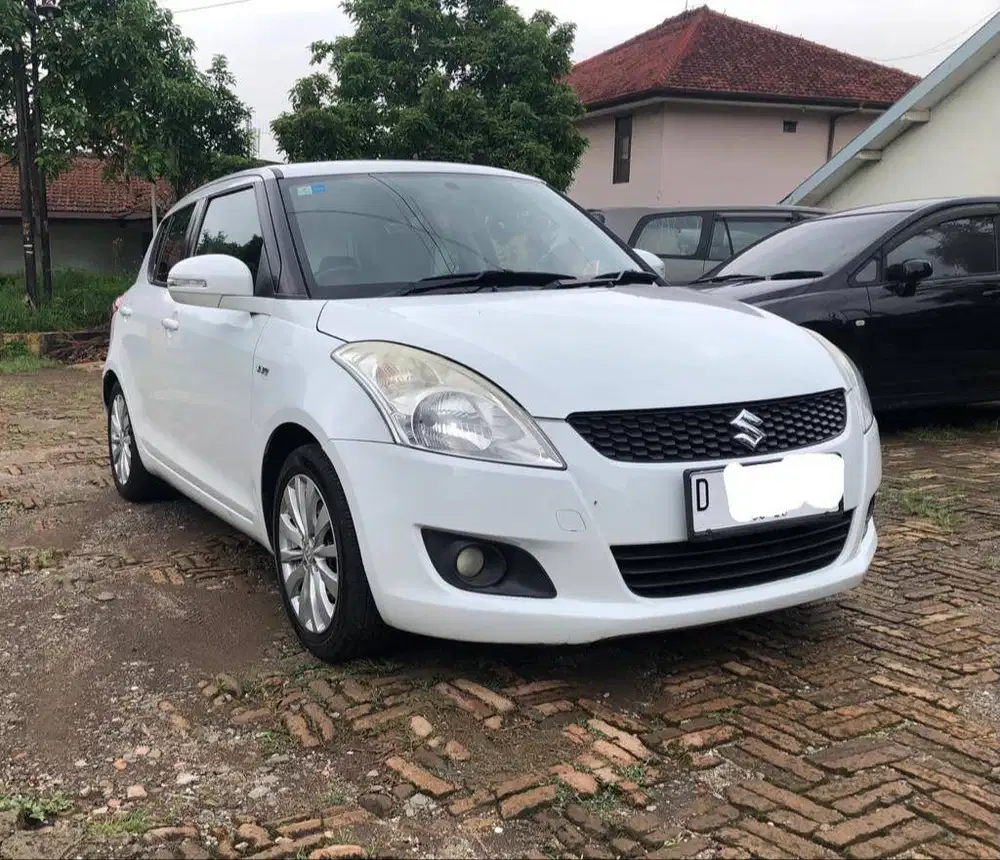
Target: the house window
(623, 149)
(790, 126)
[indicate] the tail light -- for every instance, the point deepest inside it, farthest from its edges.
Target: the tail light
(117, 304)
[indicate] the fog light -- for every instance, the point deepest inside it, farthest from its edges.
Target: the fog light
(473, 563)
(469, 562)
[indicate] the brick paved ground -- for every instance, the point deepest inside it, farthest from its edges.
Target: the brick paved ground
(864, 726)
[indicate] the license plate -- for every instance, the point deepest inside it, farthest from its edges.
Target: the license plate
(740, 496)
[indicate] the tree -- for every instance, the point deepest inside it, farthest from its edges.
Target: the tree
(119, 80)
(458, 80)
(122, 82)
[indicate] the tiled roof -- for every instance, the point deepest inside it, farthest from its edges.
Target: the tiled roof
(703, 52)
(82, 191)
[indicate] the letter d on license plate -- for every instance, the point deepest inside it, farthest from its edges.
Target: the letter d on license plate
(738, 496)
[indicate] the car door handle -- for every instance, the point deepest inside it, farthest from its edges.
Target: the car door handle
(990, 293)
(170, 324)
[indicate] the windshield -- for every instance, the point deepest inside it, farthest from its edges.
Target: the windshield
(367, 234)
(818, 245)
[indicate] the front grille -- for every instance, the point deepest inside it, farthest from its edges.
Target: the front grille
(705, 432)
(718, 564)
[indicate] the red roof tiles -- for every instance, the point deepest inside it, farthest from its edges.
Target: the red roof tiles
(81, 191)
(702, 52)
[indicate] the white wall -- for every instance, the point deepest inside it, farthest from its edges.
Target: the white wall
(592, 186)
(742, 155)
(97, 246)
(956, 153)
(706, 154)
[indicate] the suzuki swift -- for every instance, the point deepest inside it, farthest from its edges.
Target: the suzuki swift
(448, 401)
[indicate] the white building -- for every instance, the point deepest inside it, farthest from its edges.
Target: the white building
(941, 139)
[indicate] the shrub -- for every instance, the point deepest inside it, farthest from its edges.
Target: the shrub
(80, 301)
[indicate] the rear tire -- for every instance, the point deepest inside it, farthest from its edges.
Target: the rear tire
(318, 563)
(133, 482)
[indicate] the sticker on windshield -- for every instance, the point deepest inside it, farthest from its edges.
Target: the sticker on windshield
(306, 190)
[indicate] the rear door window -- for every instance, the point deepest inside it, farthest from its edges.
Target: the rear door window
(671, 235)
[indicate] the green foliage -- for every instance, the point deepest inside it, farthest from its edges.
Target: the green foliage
(274, 740)
(456, 80)
(120, 80)
(35, 808)
(15, 357)
(80, 301)
(129, 823)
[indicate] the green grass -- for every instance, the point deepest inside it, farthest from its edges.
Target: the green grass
(132, 822)
(274, 741)
(35, 808)
(954, 432)
(914, 502)
(635, 773)
(335, 797)
(15, 357)
(606, 803)
(80, 301)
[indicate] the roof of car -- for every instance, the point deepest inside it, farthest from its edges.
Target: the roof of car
(313, 168)
(740, 207)
(622, 219)
(306, 169)
(927, 203)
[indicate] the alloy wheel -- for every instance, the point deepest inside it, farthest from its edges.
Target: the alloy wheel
(307, 554)
(121, 440)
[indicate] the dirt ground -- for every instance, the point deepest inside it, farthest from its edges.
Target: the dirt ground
(155, 704)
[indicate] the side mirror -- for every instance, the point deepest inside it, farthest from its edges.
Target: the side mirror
(908, 274)
(654, 262)
(207, 279)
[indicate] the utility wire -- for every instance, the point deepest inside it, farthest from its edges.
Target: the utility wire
(939, 46)
(209, 6)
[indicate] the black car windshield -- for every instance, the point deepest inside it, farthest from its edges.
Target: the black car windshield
(367, 234)
(815, 245)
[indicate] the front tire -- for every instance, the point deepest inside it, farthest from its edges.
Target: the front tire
(322, 579)
(133, 482)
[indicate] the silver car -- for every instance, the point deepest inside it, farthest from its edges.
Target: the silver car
(693, 240)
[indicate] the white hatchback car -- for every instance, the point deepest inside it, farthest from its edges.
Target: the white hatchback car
(450, 402)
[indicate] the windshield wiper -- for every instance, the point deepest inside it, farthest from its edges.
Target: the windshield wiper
(794, 274)
(608, 279)
(790, 275)
(719, 279)
(493, 279)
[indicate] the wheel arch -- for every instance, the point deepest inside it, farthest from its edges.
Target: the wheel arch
(284, 439)
(108, 385)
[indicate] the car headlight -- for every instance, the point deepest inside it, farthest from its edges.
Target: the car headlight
(437, 405)
(855, 381)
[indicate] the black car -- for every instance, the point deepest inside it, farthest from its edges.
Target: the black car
(910, 291)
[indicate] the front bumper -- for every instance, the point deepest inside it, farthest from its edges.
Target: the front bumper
(568, 520)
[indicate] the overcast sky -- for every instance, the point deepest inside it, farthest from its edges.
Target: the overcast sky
(267, 41)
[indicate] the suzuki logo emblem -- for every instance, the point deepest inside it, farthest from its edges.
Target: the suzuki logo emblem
(749, 426)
